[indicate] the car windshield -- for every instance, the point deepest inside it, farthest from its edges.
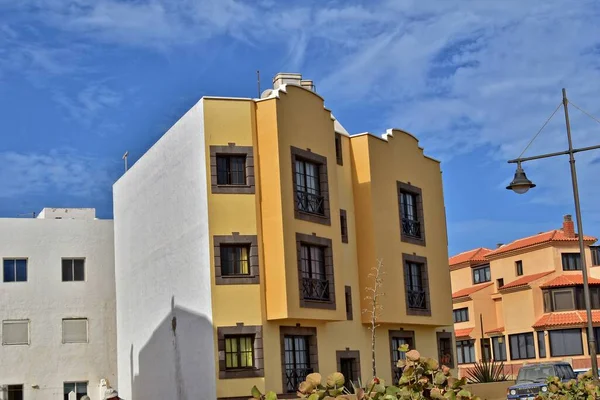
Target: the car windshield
(535, 374)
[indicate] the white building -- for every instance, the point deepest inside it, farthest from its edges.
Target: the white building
(57, 306)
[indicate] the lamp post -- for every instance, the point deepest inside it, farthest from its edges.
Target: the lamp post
(521, 185)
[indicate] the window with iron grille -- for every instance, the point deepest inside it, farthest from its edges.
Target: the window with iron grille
(398, 339)
(482, 274)
(231, 169)
(15, 269)
(315, 283)
(499, 347)
(461, 315)
(519, 267)
(338, 149)
(296, 361)
(239, 352)
(73, 269)
(521, 346)
(595, 255)
(571, 262)
(15, 392)
(308, 188)
(411, 225)
(235, 260)
(79, 388)
(465, 351)
(415, 285)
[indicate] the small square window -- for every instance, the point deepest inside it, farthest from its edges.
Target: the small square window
(571, 262)
(15, 332)
(235, 260)
(79, 388)
(231, 169)
(239, 352)
(15, 270)
(73, 269)
(519, 267)
(75, 330)
(482, 274)
(15, 392)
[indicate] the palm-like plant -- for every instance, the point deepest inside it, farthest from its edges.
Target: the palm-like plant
(487, 371)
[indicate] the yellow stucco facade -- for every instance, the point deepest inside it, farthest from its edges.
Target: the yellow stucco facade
(518, 301)
(357, 223)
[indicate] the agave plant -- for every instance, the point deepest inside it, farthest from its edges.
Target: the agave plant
(487, 371)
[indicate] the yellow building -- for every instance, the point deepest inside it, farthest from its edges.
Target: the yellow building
(298, 214)
(523, 301)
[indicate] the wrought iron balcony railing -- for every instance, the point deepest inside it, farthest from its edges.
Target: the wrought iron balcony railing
(315, 289)
(310, 203)
(294, 376)
(417, 299)
(410, 227)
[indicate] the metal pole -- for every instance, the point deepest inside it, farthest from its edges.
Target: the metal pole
(586, 289)
(258, 82)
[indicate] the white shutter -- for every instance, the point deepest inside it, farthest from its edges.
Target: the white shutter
(75, 330)
(15, 332)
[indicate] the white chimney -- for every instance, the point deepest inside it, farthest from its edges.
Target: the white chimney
(286, 78)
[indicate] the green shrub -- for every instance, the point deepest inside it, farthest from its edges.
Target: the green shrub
(422, 378)
(583, 387)
(486, 371)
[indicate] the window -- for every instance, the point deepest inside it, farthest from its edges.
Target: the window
(461, 315)
(541, 344)
(338, 149)
(521, 346)
(595, 250)
(397, 339)
(15, 392)
(563, 300)
(239, 352)
(15, 270)
(519, 267)
(79, 388)
(344, 226)
(235, 260)
(348, 363)
(571, 262)
(444, 340)
(414, 285)
(482, 274)
(315, 285)
(565, 342)
(499, 347)
(231, 169)
(411, 214)
(486, 349)
(465, 351)
(570, 298)
(308, 188)
(15, 332)
(75, 330)
(73, 269)
(499, 283)
(348, 296)
(296, 361)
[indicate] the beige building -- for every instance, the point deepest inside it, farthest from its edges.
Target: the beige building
(523, 301)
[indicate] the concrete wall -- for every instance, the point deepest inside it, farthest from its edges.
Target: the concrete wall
(45, 300)
(163, 269)
(490, 391)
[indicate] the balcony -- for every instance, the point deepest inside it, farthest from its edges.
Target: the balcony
(411, 228)
(294, 376)
(315, 289)
(417, 299)
(310, 203)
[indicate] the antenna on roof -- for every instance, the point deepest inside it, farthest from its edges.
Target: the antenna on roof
(27, 214)
(125, 159)
(258, 81)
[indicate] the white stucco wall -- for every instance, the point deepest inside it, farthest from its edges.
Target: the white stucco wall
(45, 300)
(163, 269)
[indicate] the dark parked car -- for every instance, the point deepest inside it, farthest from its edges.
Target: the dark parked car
(532, 379)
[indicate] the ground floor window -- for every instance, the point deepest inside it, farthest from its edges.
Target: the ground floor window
(499, 346)
(565, 342)
(541, 344)
(465, 351)
(15, 392)
(521, 346)
(79, 388)
(296, 361)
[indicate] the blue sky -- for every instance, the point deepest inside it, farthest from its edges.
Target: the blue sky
(81, 81)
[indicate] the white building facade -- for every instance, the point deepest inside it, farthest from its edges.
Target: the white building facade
(57, 306)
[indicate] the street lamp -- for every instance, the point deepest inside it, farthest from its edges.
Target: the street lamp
(521, 185)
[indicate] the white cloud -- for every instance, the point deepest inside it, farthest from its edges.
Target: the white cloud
(86, 106)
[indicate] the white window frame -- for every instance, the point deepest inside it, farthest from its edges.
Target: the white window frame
(17, 321)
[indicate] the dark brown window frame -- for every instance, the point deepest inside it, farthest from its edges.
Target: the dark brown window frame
(339, 149)
(241, 330)
(313, 353)
(348, 298)
(339, 354)
(445, 335)
(344, 225)
(313, 240)
(406, 258)
(232, 150)
(307, 155)
(519, 267)
(418, 193)
(399, 334)
(233, 239)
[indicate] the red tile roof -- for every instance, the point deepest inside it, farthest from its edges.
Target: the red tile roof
(474, 255)
(569, 280)
(470, 290)
(556, 235)
(463, 333)
(499, 329)
(525, 280)
(568, 318)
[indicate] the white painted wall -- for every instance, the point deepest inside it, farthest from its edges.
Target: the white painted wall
(162, 257)
(45, 300)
